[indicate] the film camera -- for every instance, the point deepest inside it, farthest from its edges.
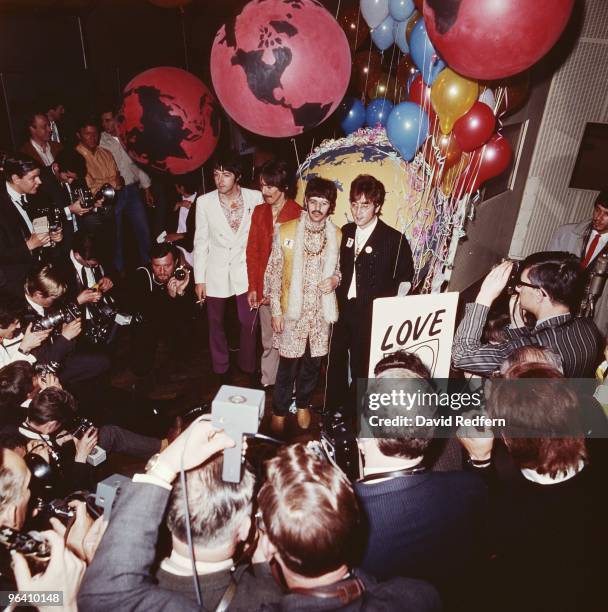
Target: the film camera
(79, 426)
(65, 314)
(514, 276)
(31, 545)
(180, 273)
(80, 191)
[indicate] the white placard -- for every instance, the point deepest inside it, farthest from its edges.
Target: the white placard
(421, 324)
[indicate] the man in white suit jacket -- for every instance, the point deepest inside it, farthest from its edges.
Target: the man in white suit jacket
(223, 218)
(588, 240)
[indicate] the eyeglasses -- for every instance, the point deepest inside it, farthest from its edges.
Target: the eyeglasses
(521, 283)
(362, 206)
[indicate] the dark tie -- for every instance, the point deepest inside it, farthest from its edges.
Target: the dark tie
(25, 230)
(83, 276)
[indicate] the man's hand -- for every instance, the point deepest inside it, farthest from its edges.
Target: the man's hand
(85, 445)
(201, 292)
(104, 284)
(49, 380)
(479, 448)
(172, 287)
(35, 241)
(77, 209)
(196, 444)
(148, 197)
(88, 295)
(182, 204)
(252, 298)
(329, 284)
(33, 339)
(72, 329)
(57, 235)
(278, 324)
(494, 283)
(181, 285)
(64, 573)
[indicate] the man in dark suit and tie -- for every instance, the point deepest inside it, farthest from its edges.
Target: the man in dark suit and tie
(375, 260)
(20, 245)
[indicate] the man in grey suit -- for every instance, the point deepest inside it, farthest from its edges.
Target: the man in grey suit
(588, 240)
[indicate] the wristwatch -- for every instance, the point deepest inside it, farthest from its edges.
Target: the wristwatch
(157, 468)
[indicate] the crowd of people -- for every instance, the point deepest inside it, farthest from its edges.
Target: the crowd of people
(472, 522)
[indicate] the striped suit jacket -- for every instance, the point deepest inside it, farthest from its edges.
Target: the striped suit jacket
(577, 341)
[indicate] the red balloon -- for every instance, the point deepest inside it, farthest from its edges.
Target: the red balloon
(484, 39)
(475, 128)
(280, 68)
(486, 163)
(170, 3)
(420, 93)
(169, 120)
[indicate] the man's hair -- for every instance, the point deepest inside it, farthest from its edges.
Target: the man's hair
(11, 309)
(602, 199)
(229, 163)
(162, 249)
(16, 383)
(537, 355)
(69, 160)
(190, 181)
(368, 186)
(494, 330)
(318, 187)
(551, 406)
(48, 280)
(52, 102)
(18, 164)
(275, 173)
(557, 273)
(217, 508)
(309, 510)
(30, 118)
(11, 485)
(52, 404)
(87, 120)
(403, 360)
(86, 245)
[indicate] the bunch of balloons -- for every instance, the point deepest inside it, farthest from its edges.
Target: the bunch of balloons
(353, 114)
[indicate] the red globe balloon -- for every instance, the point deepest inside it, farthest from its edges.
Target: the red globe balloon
(169, 120)
(486, 163)
(493, 39)
(280, 67)
(475, 128)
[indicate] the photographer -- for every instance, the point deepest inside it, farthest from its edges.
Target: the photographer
(220, 518)
(162, 293)
(547, 285)
(51, 417)
(44, 288)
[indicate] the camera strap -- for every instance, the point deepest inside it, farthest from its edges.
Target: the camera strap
(347, 590)
(236, 571)
(417, 469)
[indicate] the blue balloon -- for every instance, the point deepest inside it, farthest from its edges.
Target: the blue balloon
(407, 128)
(423, 53)
(383, 35)
(399, 36)
(378, 111)
(352, 113)
(400, 10)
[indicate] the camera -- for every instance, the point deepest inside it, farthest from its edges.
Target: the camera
(79, 426)
(81, 191)
(31, 545)
(514, 276)
(180, 273)
(65, 314)
(339, 445)
(42, 370)
(238, 411)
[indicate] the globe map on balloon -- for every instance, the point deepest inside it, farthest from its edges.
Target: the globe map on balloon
(169, 120)
(280, 67)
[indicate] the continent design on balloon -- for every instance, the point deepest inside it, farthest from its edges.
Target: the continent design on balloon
(169, 120)
(266, 66)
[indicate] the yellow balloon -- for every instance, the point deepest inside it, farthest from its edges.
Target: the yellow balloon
(452, 96)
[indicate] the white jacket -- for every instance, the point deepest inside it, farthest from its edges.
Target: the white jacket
(220, 254)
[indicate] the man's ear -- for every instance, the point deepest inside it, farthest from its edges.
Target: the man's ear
(268, 548)
(8, 516)
(243, 529)
(55, 167)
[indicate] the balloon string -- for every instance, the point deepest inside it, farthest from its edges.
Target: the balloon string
(357, 32)
(369, 59)
(184, 39)
(297, 156)
(338, 9)
(390, 69)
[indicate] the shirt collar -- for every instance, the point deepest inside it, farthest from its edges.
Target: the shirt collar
(179, 565)
(545, 479)
(15, 196)
(366, 233)
(39, 309)
(41, 148)
(76, 263)
(546, 322)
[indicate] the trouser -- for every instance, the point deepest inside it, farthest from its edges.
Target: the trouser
(118, 440)
(304, 371)
(270, 355)
(101, 225)
(350, 345)
(218, 344)
(129, 201)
